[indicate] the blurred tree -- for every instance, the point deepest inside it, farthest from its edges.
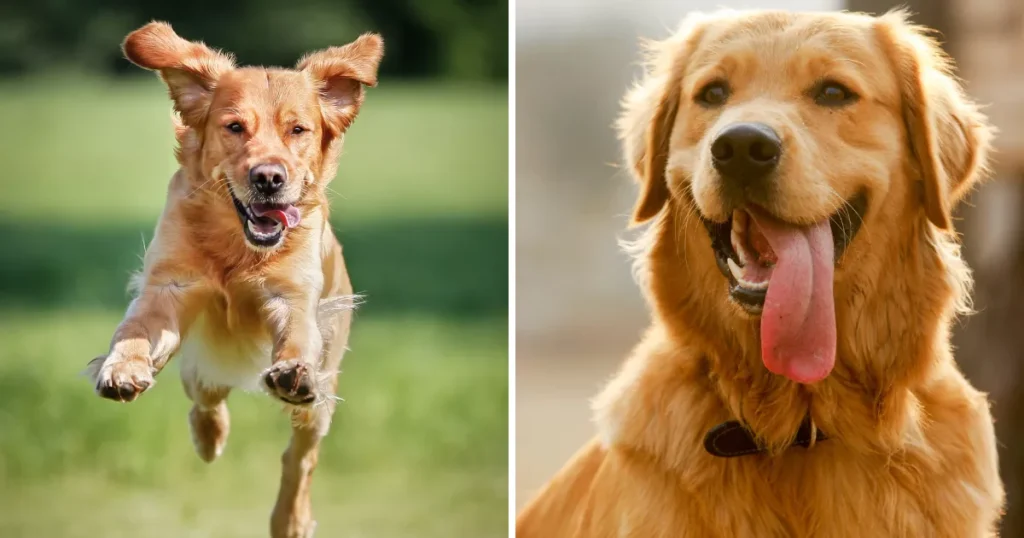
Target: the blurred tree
(465, 39)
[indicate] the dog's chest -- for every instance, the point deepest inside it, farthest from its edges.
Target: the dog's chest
(229, 343)
(832, 495)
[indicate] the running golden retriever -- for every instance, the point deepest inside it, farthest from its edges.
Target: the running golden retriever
(799, 171)
(244, 279)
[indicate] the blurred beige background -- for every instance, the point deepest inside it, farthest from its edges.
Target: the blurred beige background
(578, 310)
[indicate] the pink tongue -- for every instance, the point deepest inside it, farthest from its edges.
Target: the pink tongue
(285, 214)
(798, 323)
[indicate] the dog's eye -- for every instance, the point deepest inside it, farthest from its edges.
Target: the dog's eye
(298, 129)
(714, 94)
(235, 127)
(834, 94)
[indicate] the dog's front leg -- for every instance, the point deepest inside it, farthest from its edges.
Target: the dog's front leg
(295, 378)
(291, 313)
(144, 341)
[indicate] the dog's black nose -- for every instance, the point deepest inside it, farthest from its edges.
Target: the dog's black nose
(746, 152)
(267, 179)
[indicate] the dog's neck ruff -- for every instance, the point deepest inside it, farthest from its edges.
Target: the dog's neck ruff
(731, 439)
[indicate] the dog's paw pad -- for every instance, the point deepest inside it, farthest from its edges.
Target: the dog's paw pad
(124, 380)
(291, 381)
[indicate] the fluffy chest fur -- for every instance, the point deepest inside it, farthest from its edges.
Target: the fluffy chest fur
(229, 344)
(651, 476)
(824, 493)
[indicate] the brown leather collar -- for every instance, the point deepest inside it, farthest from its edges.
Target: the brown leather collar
(731, 439)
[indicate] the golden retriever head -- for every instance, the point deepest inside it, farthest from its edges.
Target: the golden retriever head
(802, 166)
(271, 136)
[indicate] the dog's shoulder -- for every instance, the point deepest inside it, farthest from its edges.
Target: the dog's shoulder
(609, 492)
(558, 509)
(659, 402)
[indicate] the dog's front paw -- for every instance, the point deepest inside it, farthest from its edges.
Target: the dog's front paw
(292, 381)
(121, 379)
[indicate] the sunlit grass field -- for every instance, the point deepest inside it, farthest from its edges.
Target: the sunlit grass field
(419, 445)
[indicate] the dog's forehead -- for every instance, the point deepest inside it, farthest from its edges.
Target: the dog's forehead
(776, 41)
(260, 89)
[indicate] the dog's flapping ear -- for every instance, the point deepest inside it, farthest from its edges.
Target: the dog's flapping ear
(948, 136)
(341, 73)
(649, 114)
(190, 69)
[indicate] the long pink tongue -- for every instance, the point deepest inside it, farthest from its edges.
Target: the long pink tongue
(288, 215)
(798, 323)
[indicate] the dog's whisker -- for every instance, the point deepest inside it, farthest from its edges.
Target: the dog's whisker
(843, 211)
(212, 179)
(331, 190)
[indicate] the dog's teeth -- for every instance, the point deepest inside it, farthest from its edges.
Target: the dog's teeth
(737, 273)
(734, 238)
(262, 235)
(754, 285)
(737, 246)
(738, 235)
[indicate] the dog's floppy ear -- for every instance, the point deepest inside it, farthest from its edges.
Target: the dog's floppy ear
(190, 69)
(649, 113)
(948, 136)
(342, 72)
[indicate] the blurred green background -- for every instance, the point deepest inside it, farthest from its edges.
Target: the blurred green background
(419, 446)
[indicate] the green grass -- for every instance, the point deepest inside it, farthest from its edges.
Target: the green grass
(419, 442)
(419, 446)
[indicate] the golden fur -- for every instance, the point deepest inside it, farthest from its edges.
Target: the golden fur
(237, 314)
(911, 449)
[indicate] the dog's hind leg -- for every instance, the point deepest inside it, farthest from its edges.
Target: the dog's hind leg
(208, 419)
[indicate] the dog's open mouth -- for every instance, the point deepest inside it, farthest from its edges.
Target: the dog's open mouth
(746, 256)
(784, 273)
(265, 223)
